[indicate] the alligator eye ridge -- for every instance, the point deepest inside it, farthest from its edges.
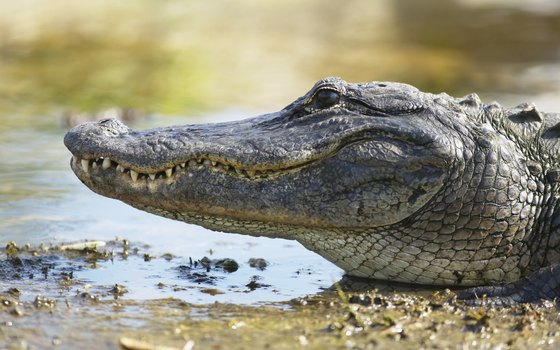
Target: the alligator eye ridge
(326, 98)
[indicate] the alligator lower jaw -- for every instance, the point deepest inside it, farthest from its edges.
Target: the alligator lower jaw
(256, 228)
(107, 164)
(142, 191)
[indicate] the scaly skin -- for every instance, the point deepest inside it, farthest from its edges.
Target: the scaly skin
(383, 180)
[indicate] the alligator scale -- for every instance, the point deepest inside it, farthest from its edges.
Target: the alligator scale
(384, 180)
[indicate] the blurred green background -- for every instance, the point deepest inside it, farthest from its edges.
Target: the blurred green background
(184, 57)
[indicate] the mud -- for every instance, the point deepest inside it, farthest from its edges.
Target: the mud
(44, 304)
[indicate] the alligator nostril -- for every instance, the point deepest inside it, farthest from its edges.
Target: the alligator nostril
(105, 121)
(113, 126)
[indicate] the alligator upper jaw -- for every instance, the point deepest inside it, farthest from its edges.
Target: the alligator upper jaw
(155, 163)
(257, 147)
(242, 147)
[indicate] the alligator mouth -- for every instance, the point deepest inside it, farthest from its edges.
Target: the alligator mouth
(107, 164)
(226, 166)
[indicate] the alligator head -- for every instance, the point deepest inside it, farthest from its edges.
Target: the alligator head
(342, 156)
(349, 170)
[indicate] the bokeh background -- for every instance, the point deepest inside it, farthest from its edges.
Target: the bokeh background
(180, 57)
(176, 61)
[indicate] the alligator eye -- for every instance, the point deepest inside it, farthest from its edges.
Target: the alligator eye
(326, 98)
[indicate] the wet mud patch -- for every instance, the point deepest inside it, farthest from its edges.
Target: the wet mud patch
(208, 273)
(255, 284)
(205, 270)
(18, 268)
(330, 321)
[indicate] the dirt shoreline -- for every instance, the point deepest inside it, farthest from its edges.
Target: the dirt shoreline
(44, 306)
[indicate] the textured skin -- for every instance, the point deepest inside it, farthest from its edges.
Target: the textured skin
(383, 180)
(541, 285)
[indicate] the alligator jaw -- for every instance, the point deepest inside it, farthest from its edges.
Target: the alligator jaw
(97, 172)
(265, 169)
(83, 168)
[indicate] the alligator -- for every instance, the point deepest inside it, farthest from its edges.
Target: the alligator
(385, 181)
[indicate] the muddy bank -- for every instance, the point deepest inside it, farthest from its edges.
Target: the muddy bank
(44, 304)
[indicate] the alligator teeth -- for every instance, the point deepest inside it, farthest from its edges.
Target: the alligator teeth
(85, 165)
(106, 163)
(197, 163)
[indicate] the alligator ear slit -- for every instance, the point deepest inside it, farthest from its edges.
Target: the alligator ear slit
(553, 175)
(534, 168)
(525, 113)
(554, 131)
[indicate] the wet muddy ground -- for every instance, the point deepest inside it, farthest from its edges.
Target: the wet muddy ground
(46, 303)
